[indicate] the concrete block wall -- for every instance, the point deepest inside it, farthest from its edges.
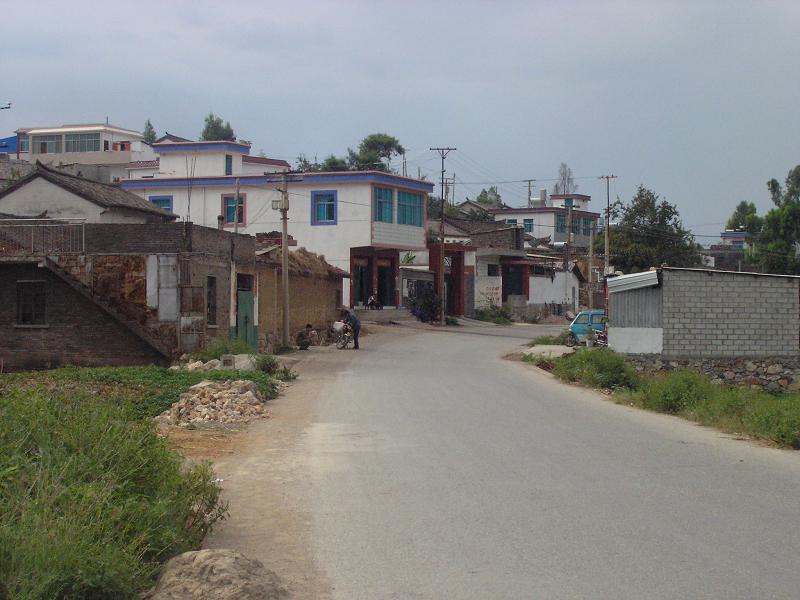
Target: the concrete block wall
(716, 315)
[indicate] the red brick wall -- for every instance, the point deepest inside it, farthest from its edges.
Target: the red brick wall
(77, 332)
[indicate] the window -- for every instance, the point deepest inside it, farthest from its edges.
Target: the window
(587, 227)
(24, 142)
(323, 208)
(228, 164)
(384, 205)
(46, 144)
(229, 209)
(575, 226)
(511, 221)
(598, 318)
(164, 202)
(82, 142)
(493, 270)
(528, 224)
(211, 301)
(30, 302)
(582, 319)
(561, 223)
(409, 208)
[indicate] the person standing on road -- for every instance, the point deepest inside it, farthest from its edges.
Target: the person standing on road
(351, 318)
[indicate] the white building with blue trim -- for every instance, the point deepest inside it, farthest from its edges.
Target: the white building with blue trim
(361, 221)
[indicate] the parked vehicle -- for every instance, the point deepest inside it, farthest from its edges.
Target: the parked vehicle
(343, 334)
(586, 323)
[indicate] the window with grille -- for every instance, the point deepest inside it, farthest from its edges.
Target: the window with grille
(409, 208)
(82, 142)
(528, 224)
(323, 208)
(229, 209)
(31, 302)
(384, 205)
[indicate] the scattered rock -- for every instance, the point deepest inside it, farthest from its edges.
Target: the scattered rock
(729, 375)
(216, 402)
(774, 369)
(750, 366)
(217, 575)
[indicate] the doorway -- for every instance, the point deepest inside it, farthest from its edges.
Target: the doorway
(245, 310)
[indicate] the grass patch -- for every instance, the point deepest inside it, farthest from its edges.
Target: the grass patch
(500, 315)
(551, 340)
(543, 362)
(93, 501)
(691, 395)
(145, 391)
(219, 346)
(596, 368)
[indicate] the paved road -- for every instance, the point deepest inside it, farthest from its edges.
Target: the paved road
(441, 471)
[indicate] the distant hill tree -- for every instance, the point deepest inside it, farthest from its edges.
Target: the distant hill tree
(149, 132)
(490, 197)
(565, 184)
(214, 129)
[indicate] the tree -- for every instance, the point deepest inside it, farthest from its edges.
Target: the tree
(565, 184)
(215, 129)
(744, 218)
(149, 132)
(775, 248)
(490, 197)
(649, 233)
(781, 197)
(370, 156)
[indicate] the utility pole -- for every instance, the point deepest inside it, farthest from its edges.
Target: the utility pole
(443, 152)
(235, 209)
(405, 171)
(530, 198)
(568, 202)
(283, 205)
(591, 265)
(606, 231)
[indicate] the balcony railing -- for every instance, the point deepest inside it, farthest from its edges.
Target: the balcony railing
(41, 237)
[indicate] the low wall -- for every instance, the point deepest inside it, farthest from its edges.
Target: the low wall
(636, 340)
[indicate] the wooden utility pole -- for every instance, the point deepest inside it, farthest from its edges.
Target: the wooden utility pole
(568, 202)
(530, 198)
(443, 152)
(285, 257)
(606, 229)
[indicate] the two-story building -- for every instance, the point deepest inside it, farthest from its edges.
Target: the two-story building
(549, 218)
(106, 147)
(360, 221)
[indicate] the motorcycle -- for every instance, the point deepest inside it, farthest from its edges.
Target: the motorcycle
(343, 334)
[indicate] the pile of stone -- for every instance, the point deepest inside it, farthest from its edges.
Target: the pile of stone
(216, 402)
(199, 365)
(773, 375)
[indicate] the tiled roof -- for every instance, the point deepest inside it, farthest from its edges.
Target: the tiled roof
(102, 194)
(143, 164)
(263, 160)
(168, 137)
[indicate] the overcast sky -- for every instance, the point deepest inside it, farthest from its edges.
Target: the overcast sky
(696, 100)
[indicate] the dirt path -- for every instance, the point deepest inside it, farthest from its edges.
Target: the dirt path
(267, 482)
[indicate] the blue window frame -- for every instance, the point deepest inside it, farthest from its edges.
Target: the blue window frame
(587, 227)
(323, 208)
(384, 205)
(528, 225)
(561, 223)
(409, 208)
(511, 221)
(228, 164)
(229, 208)
(164, 202)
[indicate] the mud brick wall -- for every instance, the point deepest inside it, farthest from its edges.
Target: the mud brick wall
(715, 314)
(76, 332)
(512, 238)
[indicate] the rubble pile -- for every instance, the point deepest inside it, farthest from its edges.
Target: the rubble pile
(199, 365)
(216, 402)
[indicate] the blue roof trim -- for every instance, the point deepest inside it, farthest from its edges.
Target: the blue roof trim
(422, 186)
(201, 147)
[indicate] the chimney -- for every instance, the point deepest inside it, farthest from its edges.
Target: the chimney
(220, 222)
(543, 197)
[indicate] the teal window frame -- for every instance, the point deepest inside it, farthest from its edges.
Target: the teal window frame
(528, 225)
(383, 207)
(511, 221)
(228, 164)
(324, 207)
(409, 208)
(164, 202)
(229, 208)
(587, 227)
(561, 223)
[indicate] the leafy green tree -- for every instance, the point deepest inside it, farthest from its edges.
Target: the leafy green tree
(776, 247)
(149, 132)
(490, 197)
(373, 154)
(745, 218)
(215, 129)
(781, 196)
(649, 233)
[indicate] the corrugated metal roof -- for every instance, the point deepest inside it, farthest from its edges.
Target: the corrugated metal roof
(634, 281)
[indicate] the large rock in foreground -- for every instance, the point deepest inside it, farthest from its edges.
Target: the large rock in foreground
(217, 575)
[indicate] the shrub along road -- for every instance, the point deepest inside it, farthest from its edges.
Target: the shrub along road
(425, 466)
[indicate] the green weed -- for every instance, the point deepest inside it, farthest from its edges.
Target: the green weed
(500, 315)
(219, 346)
(551, 340)
(596, 368)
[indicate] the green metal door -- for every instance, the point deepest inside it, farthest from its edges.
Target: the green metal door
(245, 328)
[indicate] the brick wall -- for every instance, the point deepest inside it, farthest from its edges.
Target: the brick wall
(311, 300)
(713, 314)
(77, 331)
(512, 237)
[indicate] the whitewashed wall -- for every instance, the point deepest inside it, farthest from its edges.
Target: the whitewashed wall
(205, 164)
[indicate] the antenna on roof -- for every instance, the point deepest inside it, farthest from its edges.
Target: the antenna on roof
(106, 119)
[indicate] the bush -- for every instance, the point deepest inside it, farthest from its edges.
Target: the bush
(500, 315)
(678, 391)
(450, 321)
(551, 340)
(599, 368)
(426, 306)
(93, 500)
(267, 363)
(219, 346)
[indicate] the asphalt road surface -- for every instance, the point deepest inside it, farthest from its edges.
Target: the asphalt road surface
(436, 469)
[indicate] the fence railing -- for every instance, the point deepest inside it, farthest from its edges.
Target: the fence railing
(37, 237)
